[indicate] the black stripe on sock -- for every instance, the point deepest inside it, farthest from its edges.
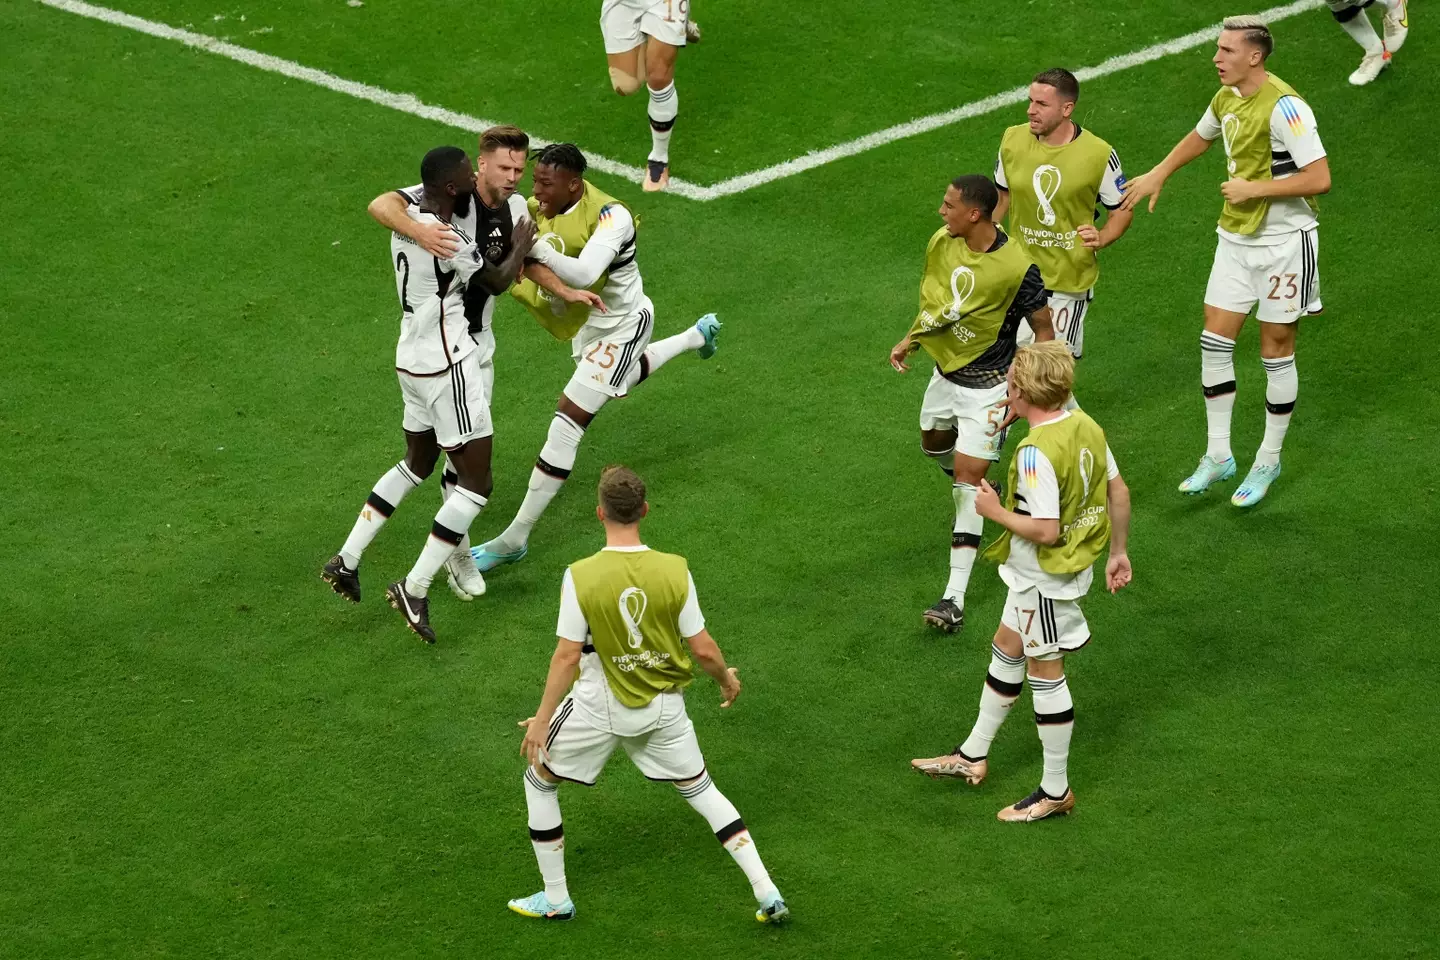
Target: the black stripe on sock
(958, 540)
(1003, 687)
(1219, 390)
(660, 126)
(1049, 719)
(551, 470)
(729, 830)
(544, 836)
(441, 532)
(1279, 408)
(380, 504)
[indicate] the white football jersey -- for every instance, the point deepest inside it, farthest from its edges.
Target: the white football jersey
(434, 331)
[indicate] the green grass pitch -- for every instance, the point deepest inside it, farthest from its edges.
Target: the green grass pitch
(204, 753)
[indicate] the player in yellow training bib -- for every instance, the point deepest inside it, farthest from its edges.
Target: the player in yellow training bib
(1064, 504)
(630, 622)
(1267, 257)
(977, 288)
(1052, 175)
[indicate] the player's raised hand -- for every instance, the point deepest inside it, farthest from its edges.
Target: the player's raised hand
(522, 235)
(1145, 185)
(1117, 572)
(899, 352)
(1088, 235)
(987, 501)
(730, 690)
(532, 747)
(437, 239)
(592, 300)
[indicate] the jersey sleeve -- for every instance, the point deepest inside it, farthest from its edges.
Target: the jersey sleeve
(413, 195)
(572, 625)
(1112, 184)
(1292, 125)
(1000, 180)
(519, 209)
(467, 260)
(1209, 125)
(1037, 489)
(692, 621)
(1032, 295)
(1113, 470)
(615, 229)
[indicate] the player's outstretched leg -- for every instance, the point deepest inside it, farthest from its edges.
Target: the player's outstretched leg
(1356, 22)
(1055, 721)
(464, 577)
(701, 337)
(664, 107)
(948, 614)
(1217, 378)
(702, 794)
(1281, 389)
(548, 838)
(342, 571)
(1003, 683)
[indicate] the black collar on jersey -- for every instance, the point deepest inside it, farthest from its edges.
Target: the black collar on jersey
(1000, 240)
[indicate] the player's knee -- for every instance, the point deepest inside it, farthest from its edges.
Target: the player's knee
(482, 483)
(624, 83)
(420, 464)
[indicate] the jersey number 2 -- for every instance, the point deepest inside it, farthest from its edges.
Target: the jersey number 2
(402, 266)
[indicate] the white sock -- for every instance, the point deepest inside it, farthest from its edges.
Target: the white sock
(1217, 377)
(730, 830)
(392, 488)
(964, 541)
(663, 351)
(542, 802)
(1003, 683)
(1281, 388)
(453, 519)
(664, 105)
(449, 480)
(557, 459)
(1362, 31)
(1055, 720)
(1391, 6)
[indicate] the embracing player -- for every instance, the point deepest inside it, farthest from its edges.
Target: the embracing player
(587, 241)
(1065, 503)
(447, 405)
(1051, 175)
(630, 622)
(643, 39)
(977, 288)
(1269, 246)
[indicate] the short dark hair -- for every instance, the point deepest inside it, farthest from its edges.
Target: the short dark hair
(565, 156)
(1256, 32)
(622, 494)
(1062, 80)
(439, 165)
(505, 135)
(978, 191)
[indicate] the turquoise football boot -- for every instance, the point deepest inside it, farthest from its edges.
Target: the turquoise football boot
(709, 327)
(1210, 471)
(539, 906)
(1256, 484)
(487, 559)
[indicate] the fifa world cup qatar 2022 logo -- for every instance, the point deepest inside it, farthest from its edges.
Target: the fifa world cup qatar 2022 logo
(1046, 181)
(962, 284)
(1229, 132)
(632, 610)
(1087, 470)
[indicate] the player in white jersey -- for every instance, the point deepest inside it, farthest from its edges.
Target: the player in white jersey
(1267, 255)
(1353, 19)
(612, 350)
(446, 405)
(642, 41)
(490, 219)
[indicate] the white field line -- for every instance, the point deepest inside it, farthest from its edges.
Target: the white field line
(407, 103)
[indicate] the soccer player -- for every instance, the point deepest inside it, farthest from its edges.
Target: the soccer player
(1355, 21)
(490, 216)
(642, 40)
(977, 288)
(1058, 517)
(1268, 251)
(630, 622)
(443, 386)
(588, 242)
(1051, 175)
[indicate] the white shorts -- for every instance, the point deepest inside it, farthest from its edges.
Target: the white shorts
(974, 415)
(1283, 278)
(607, 362)
(1048, 629)
(578, 747)
(1067, 315)
(626, 23)
(455, 404)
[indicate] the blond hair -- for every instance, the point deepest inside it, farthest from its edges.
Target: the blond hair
(505, 135)
(1257, 33)
(622, 494)
(1044, 374)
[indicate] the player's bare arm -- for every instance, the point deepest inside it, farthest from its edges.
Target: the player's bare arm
(1116, 223)
(1041, 323)
(712, 661)
(1001, 208)
(497, 277)
(900, 351)
(563, 664)
(1311, 180)
(1149, 184)
(546, 279)
(1117, 505)
(988, 505)
(436, 239)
